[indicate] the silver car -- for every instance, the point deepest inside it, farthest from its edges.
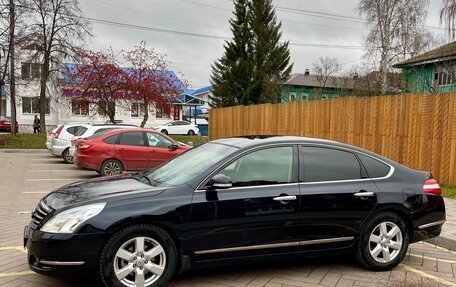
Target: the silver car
(61, 139)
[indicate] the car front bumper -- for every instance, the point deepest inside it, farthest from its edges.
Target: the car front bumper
(62, 254)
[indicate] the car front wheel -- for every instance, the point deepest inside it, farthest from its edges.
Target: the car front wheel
(139, 255)
(165, 132)
(383, 243)
(191, 133)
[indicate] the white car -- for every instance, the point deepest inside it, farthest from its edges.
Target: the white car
(61, 139)
(49, 136)
(179, 128)
(95, 129)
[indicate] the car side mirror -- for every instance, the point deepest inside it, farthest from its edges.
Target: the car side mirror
(220, 181)
(173, 147)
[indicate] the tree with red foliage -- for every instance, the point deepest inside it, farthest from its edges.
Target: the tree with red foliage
(98, 80)
(148, 81)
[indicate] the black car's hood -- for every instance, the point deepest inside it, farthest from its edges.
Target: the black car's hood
(98, 188)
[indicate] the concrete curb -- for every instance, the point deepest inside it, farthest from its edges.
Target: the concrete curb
(443, 241)
(6, 150)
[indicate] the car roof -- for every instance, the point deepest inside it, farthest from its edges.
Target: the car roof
(113, 125)
(121, 130)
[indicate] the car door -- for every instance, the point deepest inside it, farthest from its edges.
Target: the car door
(133, 151)
(336, 196)
(159, 150)
(257, 214)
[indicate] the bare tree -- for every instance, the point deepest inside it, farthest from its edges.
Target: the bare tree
(396, 30)
(324, 69)
(447, 16)
(59, 29)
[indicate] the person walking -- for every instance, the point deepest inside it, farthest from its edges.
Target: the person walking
(36, 125)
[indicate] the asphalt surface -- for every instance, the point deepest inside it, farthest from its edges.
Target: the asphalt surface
(26, 177)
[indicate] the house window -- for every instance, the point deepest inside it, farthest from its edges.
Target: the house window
(106, 106)
(292, 97)
(160, 113)
(30, 70)
(138, 110)
(80, 107)
(31, 105)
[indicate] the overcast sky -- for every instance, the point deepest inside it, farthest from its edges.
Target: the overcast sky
(193, 54)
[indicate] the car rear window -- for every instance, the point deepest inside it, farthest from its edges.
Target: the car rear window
(96, 135)
(374, 167)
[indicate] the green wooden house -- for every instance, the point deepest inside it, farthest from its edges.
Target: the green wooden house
(432, 71)
(304, 86)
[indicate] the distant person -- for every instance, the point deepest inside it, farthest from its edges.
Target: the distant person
(36, 125)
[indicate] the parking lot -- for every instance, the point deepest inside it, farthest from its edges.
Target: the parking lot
(27, 176)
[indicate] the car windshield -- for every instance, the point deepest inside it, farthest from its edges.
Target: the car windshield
(189, 165)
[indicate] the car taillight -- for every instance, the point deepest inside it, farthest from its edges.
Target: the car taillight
(85, 146)
(58, 131)
(432, 186)
(50, 133)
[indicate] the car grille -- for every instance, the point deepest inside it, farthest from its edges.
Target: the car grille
(39, 214)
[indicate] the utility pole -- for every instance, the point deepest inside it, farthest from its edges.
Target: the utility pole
(12, 69)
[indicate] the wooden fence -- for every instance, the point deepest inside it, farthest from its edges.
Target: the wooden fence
(417, 130)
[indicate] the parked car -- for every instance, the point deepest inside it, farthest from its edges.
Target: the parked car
(115, 151)
(49, 136)
(61, 139)
(94, 129)
(178, 128)
(233, 201)
(5, 124)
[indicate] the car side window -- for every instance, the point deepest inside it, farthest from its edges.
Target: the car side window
(111, 139)
(156, 140)
(72, 130)
(374, 167)
(132, 138)
(326, 164)
(263, 167)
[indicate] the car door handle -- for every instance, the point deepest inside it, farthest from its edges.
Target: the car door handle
(364, 194)
(285, 198)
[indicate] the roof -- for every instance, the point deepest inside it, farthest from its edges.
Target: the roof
(249, 141)
(200, 91)
(70, 67)
(260, 140)
(441, 53)
(312, 81)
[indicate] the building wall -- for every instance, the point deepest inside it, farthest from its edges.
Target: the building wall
(306, 93)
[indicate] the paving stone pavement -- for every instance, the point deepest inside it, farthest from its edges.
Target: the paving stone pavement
(26, 177)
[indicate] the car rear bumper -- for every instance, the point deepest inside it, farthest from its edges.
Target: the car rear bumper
(86, 162)
(62, 254)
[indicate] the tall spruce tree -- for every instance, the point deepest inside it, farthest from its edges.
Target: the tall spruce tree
(231, 74)
(271, 58)
(255, 63)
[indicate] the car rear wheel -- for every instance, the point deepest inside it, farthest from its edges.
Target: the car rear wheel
(140, 255)
(165, 132)
(111, 167)
(383, 243)
(67, 158)
(191, 133)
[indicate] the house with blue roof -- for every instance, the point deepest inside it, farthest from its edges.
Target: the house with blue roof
(62, 109)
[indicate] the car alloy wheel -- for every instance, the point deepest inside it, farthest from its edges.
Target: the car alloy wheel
(111, 167)
(191, 133)
(164, 132)
(385, 242)
(67, 158)
(139, 262)
(138, 255)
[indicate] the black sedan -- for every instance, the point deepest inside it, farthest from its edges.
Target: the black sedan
(236, 200)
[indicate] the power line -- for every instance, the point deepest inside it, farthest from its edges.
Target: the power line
(158, 15)
(169, 31)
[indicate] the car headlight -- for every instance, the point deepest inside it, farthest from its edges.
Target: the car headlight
(69, 220)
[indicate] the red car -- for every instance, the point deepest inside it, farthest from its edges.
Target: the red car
(112, 152)
(5, 124)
